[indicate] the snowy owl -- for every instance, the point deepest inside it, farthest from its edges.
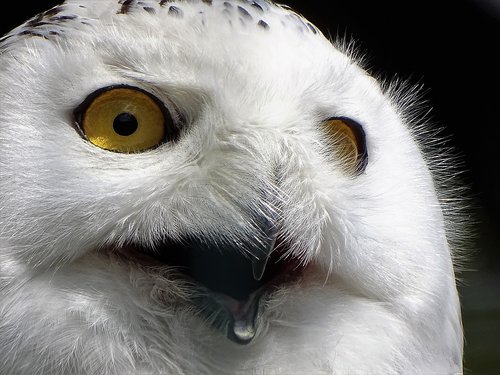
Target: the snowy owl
(214, 187)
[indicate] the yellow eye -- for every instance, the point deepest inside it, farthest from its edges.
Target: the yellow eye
(123, 119)
(347, 140)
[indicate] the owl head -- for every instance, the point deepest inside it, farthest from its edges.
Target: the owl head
(215, 187)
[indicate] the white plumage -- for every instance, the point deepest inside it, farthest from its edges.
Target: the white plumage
(126, 254)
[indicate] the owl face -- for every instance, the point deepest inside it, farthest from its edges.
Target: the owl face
(218, 173)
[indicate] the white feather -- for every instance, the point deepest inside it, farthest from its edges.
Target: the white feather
(379, 293)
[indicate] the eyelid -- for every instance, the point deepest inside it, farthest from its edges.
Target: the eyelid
(357, 135)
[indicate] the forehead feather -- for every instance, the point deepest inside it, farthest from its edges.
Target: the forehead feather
(240, 15)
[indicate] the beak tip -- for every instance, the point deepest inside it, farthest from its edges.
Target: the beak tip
(259, 267)
(241, 332)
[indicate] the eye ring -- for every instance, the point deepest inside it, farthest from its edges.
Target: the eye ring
(347, 140)
(124, 119)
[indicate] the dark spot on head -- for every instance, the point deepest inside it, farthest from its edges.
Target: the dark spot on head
(209, 2)
(244, 13)
(312, 28)
(32, 33)
(34, 24)
(52, 12)
(163, 2)
(174, 11)
(62, 18)
(149, 10)
(125, 6)
(263, 24)
(257, 6)
(228, 4)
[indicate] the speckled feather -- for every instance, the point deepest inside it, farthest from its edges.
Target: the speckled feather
(58, 20)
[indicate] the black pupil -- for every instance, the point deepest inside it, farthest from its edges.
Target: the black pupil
(125, 124)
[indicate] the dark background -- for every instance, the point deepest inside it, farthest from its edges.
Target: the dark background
(452, 48)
